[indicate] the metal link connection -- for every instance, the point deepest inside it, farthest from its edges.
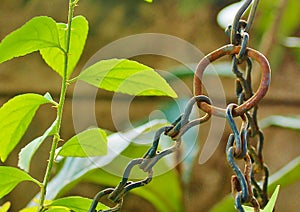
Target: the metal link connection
(237, 149)
(233, 50)
(245, 186)
(101, 194)
(178, 128)
(240, 145)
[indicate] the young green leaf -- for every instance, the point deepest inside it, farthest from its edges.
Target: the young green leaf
(29, 209)
(5, 207)
(28, 151)
(10, 177)
(91, 142)
(270, 206)
(15, 117)
(49, 97)
(39, 32)
(55, 58)
(76, 203)
(58, 209)
(249, 209)
(287, 175)
(126, 76)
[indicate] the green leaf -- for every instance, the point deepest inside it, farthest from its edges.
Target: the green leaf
(91, 142)
(58, 209)
(287, 175)
(5, 207)
(29, 150)
(270, 206)
(15, 117)
(74, 169)
(55, 58)
(121, 151)
(76, 203)
(10, 177)
(39, 32)
(249, 209)
(49, 97)
(30, 209)
(126, 76)
(226, 204)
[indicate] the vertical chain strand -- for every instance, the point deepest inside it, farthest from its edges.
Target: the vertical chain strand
(254, 165)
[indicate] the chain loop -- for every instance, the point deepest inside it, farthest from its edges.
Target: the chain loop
(239, 138)
(235, 25)
(237, 149)
(125, 186)
(178, 128)
(254, 164)
(175, 131)
(239, 25)
(101, 194)
(251, 102)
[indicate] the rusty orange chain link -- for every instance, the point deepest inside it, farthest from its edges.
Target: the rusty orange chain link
(233, 50)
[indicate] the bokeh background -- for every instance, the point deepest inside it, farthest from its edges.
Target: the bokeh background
(194, 21)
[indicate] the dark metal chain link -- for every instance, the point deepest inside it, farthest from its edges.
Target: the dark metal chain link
(240, 146)
(245, 186)
(176, 130)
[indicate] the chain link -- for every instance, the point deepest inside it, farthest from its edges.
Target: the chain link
(256, 195)
(240, 145)
(175, 131)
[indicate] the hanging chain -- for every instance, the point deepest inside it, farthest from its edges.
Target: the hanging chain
(249, 185)
(175, 131)
(239, 145)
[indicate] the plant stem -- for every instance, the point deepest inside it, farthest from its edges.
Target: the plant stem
(56, 137)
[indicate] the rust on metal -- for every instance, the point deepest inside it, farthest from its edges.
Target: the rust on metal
(232, 50)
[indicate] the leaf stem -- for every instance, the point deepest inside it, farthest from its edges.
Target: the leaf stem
(73, 80)
(56, 137)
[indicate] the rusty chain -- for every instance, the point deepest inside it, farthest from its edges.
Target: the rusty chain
(249, 185)
(257, 196)
(175, 131)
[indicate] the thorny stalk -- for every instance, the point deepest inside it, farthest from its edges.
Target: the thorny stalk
(56, 137)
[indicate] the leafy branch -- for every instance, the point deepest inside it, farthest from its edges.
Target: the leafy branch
(61, 46)
(56, 137)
